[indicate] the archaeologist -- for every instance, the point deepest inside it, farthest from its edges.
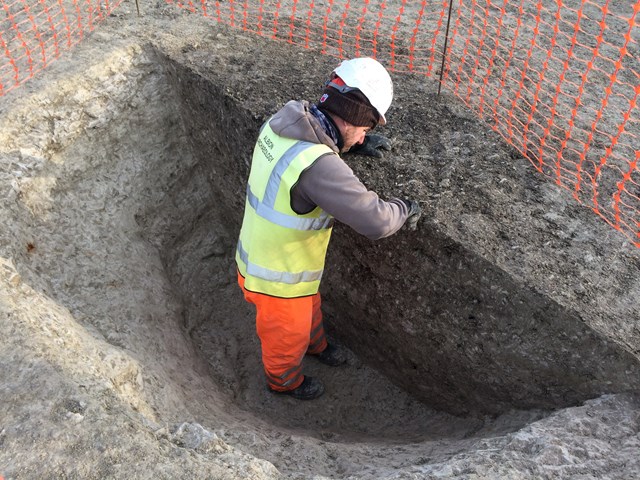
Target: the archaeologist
(297, 185)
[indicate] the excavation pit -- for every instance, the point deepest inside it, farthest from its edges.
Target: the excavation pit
(124, 221)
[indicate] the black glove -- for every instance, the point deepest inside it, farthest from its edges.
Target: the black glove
(414, 213)
(372, 146)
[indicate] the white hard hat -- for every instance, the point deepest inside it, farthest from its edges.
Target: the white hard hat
(372, 79)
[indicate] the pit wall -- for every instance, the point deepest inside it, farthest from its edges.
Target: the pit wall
(461, 333)
(207, 201)
(451, 312)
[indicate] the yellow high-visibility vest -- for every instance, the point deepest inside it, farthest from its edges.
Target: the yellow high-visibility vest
(280, 252)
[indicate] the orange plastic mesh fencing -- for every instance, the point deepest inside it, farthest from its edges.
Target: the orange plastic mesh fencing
(559, 80)
(33, 33)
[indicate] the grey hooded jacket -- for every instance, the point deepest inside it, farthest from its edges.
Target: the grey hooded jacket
(331, 184)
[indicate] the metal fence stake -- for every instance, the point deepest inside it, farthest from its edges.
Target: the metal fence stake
(444, 50)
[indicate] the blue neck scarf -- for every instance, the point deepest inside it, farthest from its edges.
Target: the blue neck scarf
(327, 125)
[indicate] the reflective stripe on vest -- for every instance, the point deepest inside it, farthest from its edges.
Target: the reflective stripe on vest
(280, 252)
(274, 276)
(297, 223)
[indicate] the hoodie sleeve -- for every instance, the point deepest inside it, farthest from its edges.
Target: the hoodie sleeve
(331, 184)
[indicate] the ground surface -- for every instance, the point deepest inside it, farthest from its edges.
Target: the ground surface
(133, 354)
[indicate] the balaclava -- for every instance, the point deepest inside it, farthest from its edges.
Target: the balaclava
(349, 104)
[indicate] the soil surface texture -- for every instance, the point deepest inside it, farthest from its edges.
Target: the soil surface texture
(501, 339)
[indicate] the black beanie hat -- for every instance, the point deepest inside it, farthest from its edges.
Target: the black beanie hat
(351, 106)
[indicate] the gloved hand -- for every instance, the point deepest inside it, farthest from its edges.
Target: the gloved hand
(415, 212)
(372, 146)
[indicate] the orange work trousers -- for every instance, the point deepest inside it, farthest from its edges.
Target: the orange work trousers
(288, 328)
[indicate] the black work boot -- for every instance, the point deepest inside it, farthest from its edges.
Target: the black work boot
(333, 355)
(309, 389)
